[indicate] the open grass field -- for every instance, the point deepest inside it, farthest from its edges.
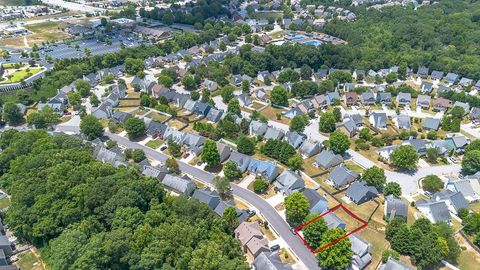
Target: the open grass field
(29, 261)
(41, 32)
(154, 144)
(271, 114)
(20, 74)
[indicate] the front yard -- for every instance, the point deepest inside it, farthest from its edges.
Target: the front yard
(154, 144)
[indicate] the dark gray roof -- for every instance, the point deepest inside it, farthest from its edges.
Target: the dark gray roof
(359, 191)
(431, 123)
(333, 221)
(294, 138)
(270, 261)
(404, 122)
(393, 264)
(395, 206)
(457, 200)
(379, 119)
(327, 159)
(207, 196)
(341, 176)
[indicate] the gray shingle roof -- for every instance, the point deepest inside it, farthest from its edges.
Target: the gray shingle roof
(309, 148)
(395, 207)
(431, 123)
(270, 261)
(328, 159)
(341, 176)
(360, 191)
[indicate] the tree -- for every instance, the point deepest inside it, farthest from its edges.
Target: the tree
(339, 142)
(189, 83)
(298, 123)
(231, 218)
(297, 208)
(227, 93)
(231, 171)
(391, 78)
(471, 162)
(210, 153)
(83, 87)
(393, 227)
(234, 107)
(432, 183)
(260, 185)
(404, 157)
(338, 256)
(12, 114)
(94, 100)
(171, 165)
(245, 86)
(390, 253)
(365, 134)
(74, 99)
(222, 185)
(133, 65)
(91, 127)
(327, 122)
(279, 96)
(432, 155)
(138, 155)
(306, 72)
(338, 114)
(295, 162)
(392, 188)
(432, 135)
(135, 128)
(246, 145)
(375, 176)
(165, 80)
(43, 118)
(313, 232)
(473, 145)
(174, 148)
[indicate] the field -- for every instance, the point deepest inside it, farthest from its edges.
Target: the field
(154, 144)
(271, 114)
(41, 32)
(21, 74)
(29, 261)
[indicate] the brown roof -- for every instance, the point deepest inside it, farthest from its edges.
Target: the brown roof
(247, 230)
(442, 102)
(351, 97)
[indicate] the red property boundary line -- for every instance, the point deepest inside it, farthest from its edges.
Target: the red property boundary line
(331, 210)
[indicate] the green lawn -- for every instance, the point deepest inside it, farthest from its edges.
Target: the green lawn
(154, 144)
(5, 202)
(29, 261)
(44, 26)
(353, 167)
(21, 74)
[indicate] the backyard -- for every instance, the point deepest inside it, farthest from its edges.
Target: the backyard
(29, 261)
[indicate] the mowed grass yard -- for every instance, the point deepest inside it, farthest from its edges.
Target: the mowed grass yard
(20, 74)
(29, 261)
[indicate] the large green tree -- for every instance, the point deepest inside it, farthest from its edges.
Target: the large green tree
(432, 183)
(246, 145)
(297, 208)
(135, 128)
(210, 153)
(12, 114)
(313, 232)
(404, 157)
(327, 122)
(298, 123)
(279, 96)
(471, 162)
(91, 127)
(375, 176)
(338, 256)
(339, 142)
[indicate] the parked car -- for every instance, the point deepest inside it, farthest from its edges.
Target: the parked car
(163, 148)
(275, 247)
(186, 155)
(251, 213)
(453, 160)
(428, 194)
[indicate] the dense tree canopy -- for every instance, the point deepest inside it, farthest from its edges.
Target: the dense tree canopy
(297, 208)
(89, 215)
(338, 256)
(91, 127)
(404, 157)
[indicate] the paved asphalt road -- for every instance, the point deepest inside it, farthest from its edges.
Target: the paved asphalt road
(270, 214)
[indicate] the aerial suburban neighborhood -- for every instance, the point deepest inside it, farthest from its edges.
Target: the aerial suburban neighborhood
(239, 134)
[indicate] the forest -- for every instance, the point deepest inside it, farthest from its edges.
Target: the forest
(83, 214)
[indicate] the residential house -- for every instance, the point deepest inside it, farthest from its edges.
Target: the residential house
(340, 177)
(426, 87)
(260, 94)
(264, 75)
(451, 78)
(443, 88)
(318, 203)
(274, 134)
(193, 143)
(419, 145)
(361, 251)
(6, 246)
(393, 264)
(301, 108)
(158, 173)
(156, 129)
(403, 122)
(384, 98)
(395, 207)
(190, 105)
(348, 127)
(436, 75)
(202, 109)
(207, 196)
(441, 104)
(327, 159)
(174, 135)
(120, 117)
(214, 115)
(465, 106)
(359, 192)
(465, 82)
(58, 103)
(104, 111)
(333, 221)
(454, 200)
(294, 138)
(404, 99)
(257, 128)
(431, 123)
(434, 211)
(288, 182)
(349, 87)
(357, 119)
(242, 215)
(368, 98)
(475, 114)
(350, 98)
(319, 101)
(422, 72)
(463, 186)
(269, 261)
(423, 101)
(241, 160)
(264, 169)
(332, 97)
(112, 156)
(458, 142)
(244, 100)
(180, 185)
(252, 239)
(378, 119)
(224, 151)
(309, 148)
(210, 85)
